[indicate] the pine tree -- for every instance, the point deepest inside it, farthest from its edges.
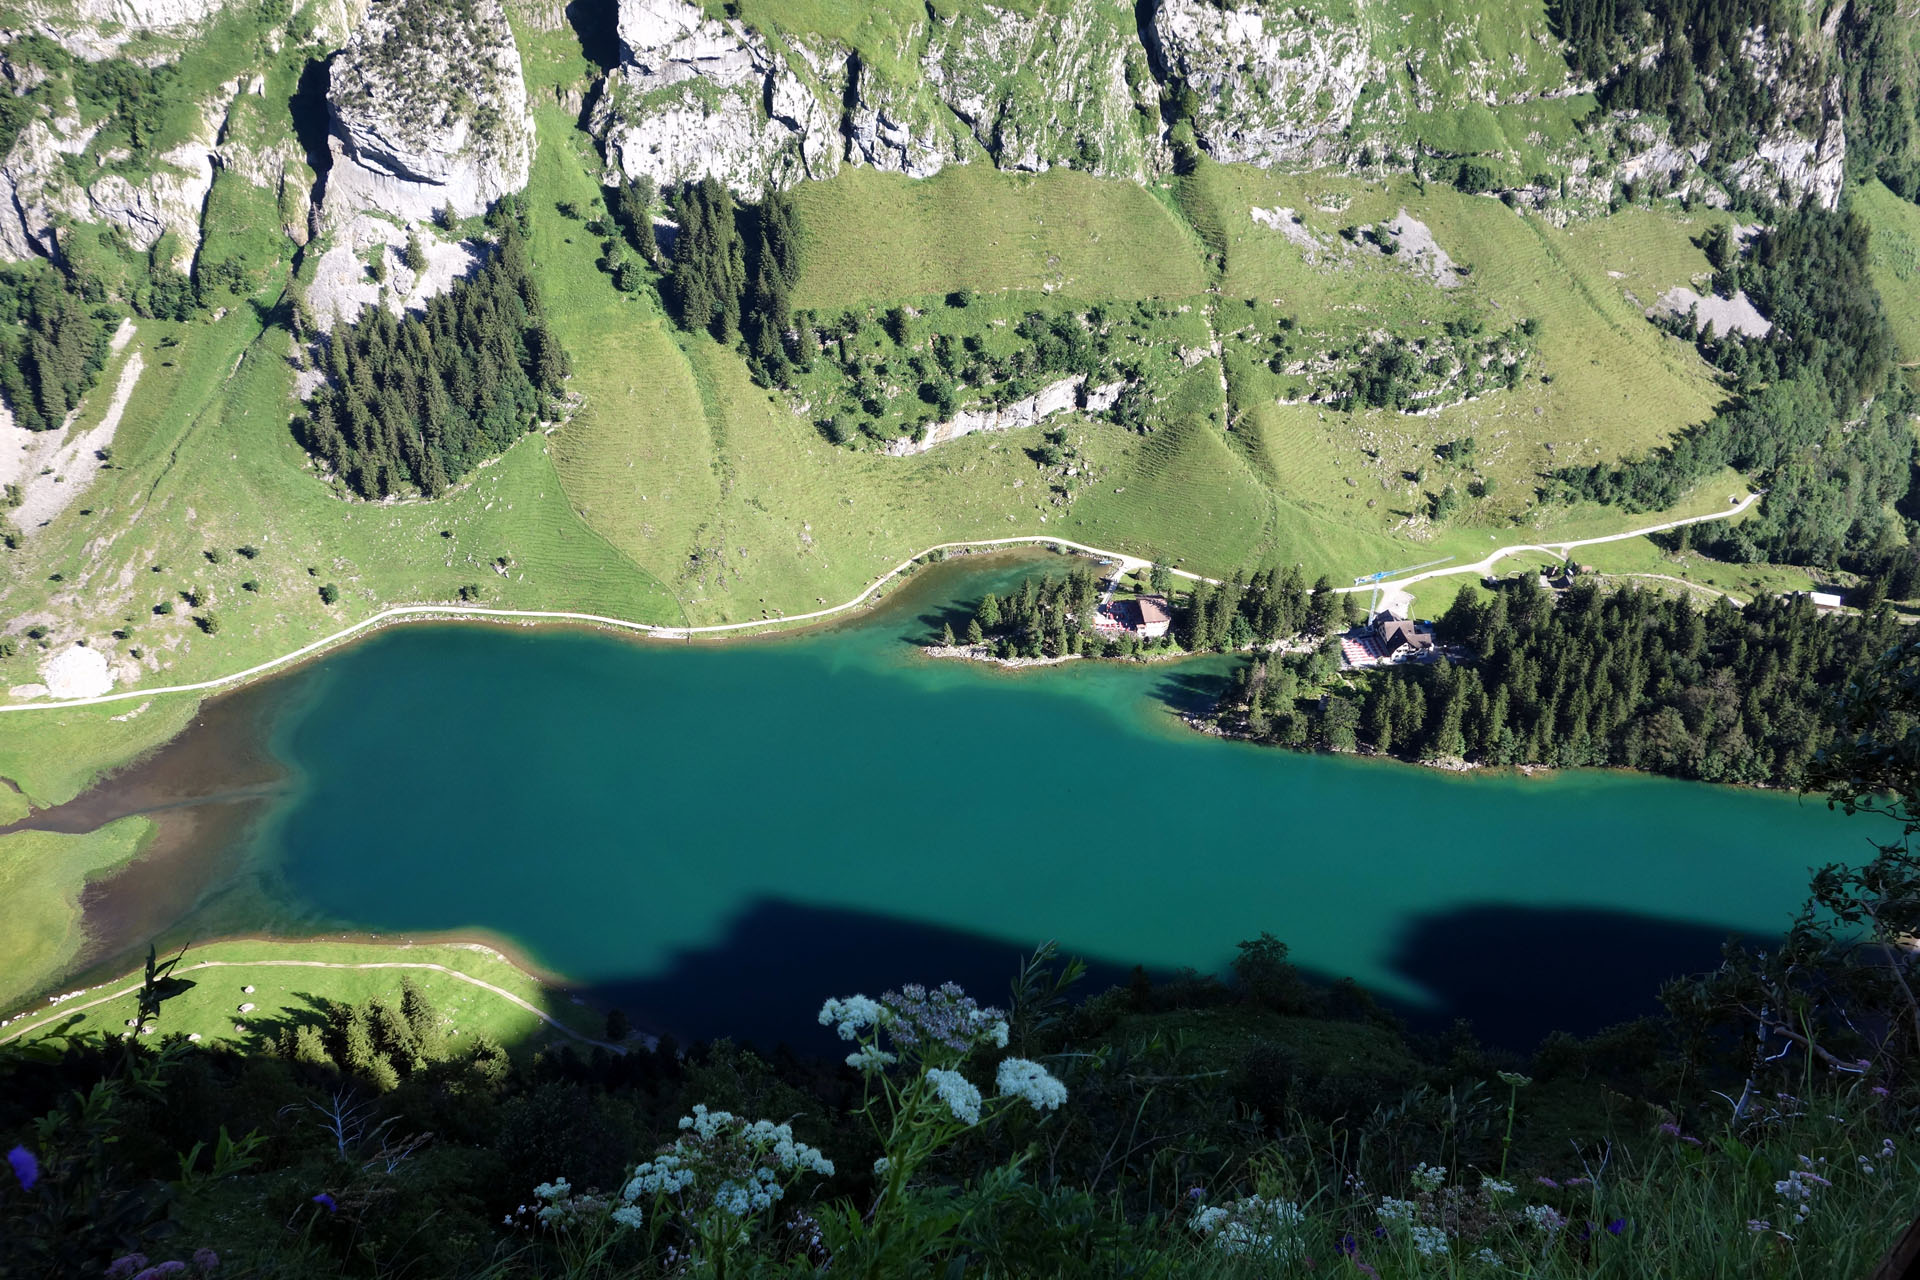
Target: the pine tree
(423, 1021)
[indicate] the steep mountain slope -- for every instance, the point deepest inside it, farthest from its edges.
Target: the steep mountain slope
(1274, 213)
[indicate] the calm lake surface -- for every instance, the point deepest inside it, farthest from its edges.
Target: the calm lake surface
(718, 837)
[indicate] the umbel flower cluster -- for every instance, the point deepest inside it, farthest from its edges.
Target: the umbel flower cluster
(934, 1033)
(721, 1166)
(1254, 1226)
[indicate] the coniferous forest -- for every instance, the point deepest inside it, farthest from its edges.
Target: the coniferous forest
(415, 403)
(733, 271)
(52, 344)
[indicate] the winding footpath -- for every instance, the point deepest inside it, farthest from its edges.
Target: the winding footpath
(60, 1012)
(1126, 562)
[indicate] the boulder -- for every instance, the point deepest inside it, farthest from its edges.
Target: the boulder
(428, 109)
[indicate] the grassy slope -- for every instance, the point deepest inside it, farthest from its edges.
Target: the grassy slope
(41, 876)
(209, 1006)
(872, 236)
(1614, 385)
(1896, 262)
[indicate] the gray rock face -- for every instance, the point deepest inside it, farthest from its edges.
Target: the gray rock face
(428, 109)
(1270, 89)
(898, 128)
(97, 29)
(695, 98)
(1062, 396)
(1068, 88)
(698, 97)
(38, 192)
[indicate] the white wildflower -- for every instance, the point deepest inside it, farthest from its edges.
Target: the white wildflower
(850, 1015)
(1544, 1217)
(1019, 1078)
(1488, 1258)
(1495, 1187)
(1253, 1226)
(1207, 1217)
(1394, 1212)
(870, 1058)
(954, 1089)
(881, 1166)
(994, 1028)
(1428, 1177)
(627, 1216)
(1428, 1242)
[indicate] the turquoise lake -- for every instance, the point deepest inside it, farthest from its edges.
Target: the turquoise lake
(717, 837)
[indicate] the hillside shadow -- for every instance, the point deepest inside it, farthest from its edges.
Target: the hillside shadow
(596, 24)
(1515, 973)
(1520, 972)
(765, 980)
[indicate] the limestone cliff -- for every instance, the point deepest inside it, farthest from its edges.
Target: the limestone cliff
(1071, 85)
(1266, 86)
(694, 97)
(697, 96)
(428, 109)
(97, 29)
(40, 189)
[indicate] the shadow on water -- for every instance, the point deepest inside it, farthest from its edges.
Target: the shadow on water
(1521, 972)
(1515, 973)
(1193, 687)
(765, 981)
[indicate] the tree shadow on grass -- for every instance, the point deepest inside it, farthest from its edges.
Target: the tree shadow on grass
(264, 1028)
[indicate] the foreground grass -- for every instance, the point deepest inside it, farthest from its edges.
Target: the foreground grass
(41, 876)
(296, 981)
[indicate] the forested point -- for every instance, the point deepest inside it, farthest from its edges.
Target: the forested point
(1626, 678)
(415, 403)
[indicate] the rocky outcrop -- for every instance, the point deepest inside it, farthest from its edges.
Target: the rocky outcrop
(1055, 398)
(428, 110)
(900, 128)
(1067, 88)
(1268, 86)
(96, 29)
(343, 283)
(38, 190)
(695, 97)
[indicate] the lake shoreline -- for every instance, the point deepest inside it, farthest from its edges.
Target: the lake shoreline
(406, 811)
